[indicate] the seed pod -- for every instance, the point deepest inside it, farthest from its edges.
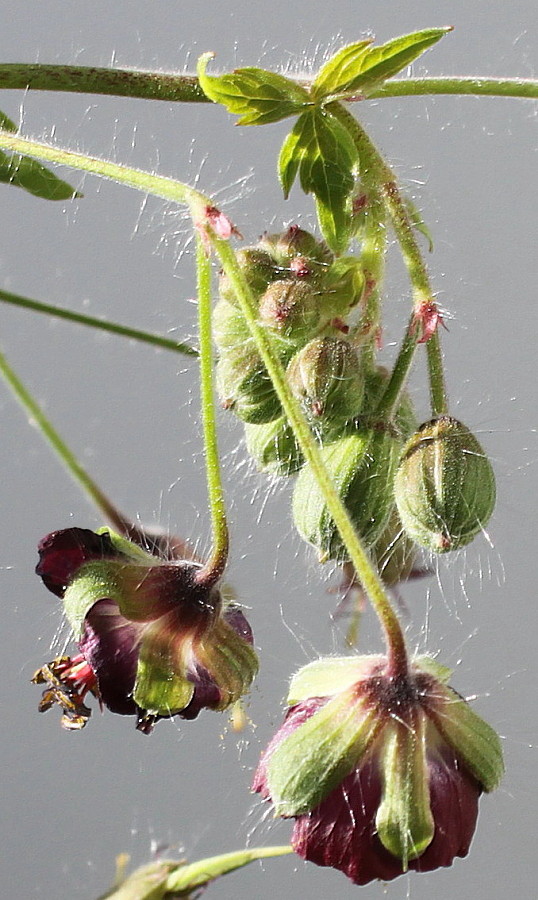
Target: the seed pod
(375, 382)
(274, 447)
(326, 377)
(259, 269)
(244, 386)
(362, 465)
(290, 308)
(445, 486)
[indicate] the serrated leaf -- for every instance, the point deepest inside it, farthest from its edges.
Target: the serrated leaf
(34, 177)
(256, 95)
(323, 152)
(340, 70)
(363, 70)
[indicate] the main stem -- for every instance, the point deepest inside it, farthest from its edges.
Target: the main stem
(370, 579)
(213, 569)
(186, 88)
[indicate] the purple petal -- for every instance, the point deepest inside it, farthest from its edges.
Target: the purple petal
(110, 645)
(62, 553)
(233, 616)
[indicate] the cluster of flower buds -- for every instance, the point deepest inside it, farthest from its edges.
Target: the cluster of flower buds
(154, 640)
(381, 772)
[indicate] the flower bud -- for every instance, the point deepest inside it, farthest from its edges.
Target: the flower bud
(444, 486)
(296, 242)
(362, 465)
(381, 772)
(230, 329)
(325, 375)
(245, 386)
(259, 269)
(273, 447)
(153, 640)
(290, 308)
(343, 286)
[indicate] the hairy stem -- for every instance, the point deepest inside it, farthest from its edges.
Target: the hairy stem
(215, 565)
(156, 340)
(185, 88)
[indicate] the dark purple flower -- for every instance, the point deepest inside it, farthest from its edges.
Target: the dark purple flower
(381, 775)
(153, 639)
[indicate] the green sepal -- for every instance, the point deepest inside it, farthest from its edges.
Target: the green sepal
(199, 873)
(96, 580)
(475, 742)
(230, 660)
(430, 666)
(127, 548)
(32, 176)
(324, 154)
(404, 819)
(256, 95)
(314, 758)
(329, 676)
(160, 687)
(361, 68)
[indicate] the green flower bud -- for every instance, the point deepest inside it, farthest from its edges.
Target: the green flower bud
(290, 308)
(259, 269)
(296, 242)
(326, 377)
(244, 386)
(230, 328)
(274, 447)
(343, 286)
(444, 486)
(362, 465)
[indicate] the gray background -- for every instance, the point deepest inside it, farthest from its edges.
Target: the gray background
(73, 801)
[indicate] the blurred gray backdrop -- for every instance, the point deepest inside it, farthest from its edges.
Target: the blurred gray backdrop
(74, 801)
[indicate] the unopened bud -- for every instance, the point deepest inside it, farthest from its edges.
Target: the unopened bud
(326, 377)
(295, 242)
(274, 447)
(444, 486)
(259, 269)
(362, 465)
(245, 386)
(291, 309)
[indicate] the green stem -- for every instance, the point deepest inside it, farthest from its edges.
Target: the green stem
(79, 474)
(185, 88)
(399, 374)
(438, 395)
(367, 575)
(193, 875)
(156, 185)
(423, 298)
(216, 563)
(373, 252)
(135, 334)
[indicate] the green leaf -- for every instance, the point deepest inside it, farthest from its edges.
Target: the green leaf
(340, 70)
(256, 95)
(323, 152)
(32, 176)
(359, 69)
(7, 124)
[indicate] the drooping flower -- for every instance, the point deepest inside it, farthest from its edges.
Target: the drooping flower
(381, 773)
(154, 640)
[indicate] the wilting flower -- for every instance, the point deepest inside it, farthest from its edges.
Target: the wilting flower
(381, 773)
(154, 640)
